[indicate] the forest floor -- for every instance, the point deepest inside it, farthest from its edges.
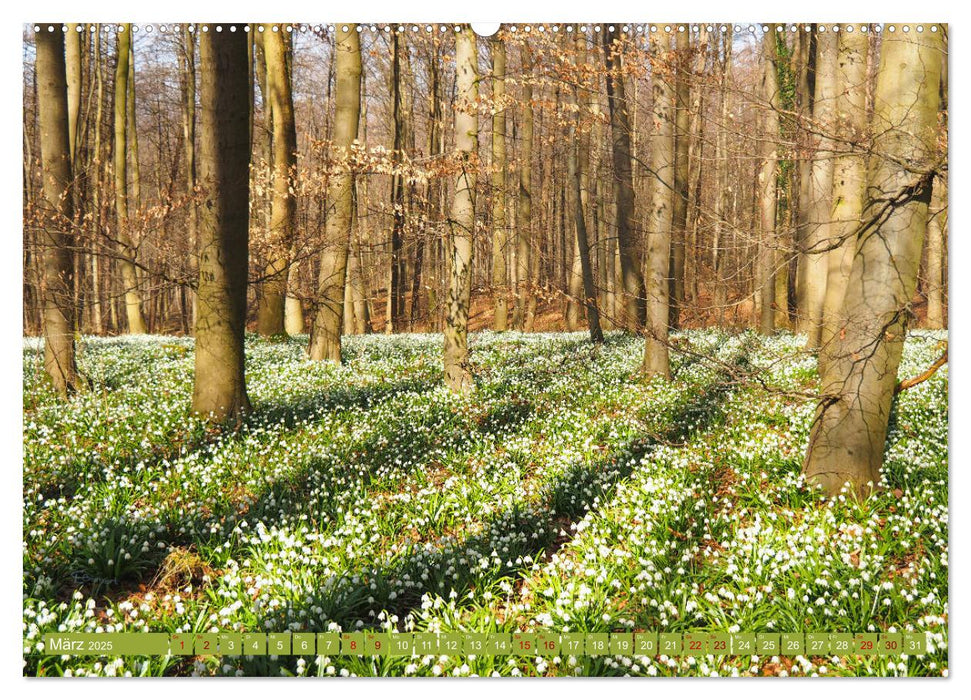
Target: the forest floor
(564, 494)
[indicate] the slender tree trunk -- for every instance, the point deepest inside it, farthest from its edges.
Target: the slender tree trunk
(293, 310)
(349, 320)
(361, 233)
(458, 376)
(682, 138)
(499, 232)
(271, 320)
(58, 227)
(97, 320)
(849, 184)
(188, 84)
(432, 193)
(849, 432)
(362, 316)
(74, 52)
(142, 276)
(663, 168)
(604, 244)
(74, 62)
(133, 159)
(819, 233)
(719, 250)
(396, 265)
(936, 250)
(224, 155)
(126, 248)
(524, 203)
(767, 182)
(804, 69)
(579, 156)
(416, 279)
(632, 296)
(696, 159)
(937, 224)
(325, 337)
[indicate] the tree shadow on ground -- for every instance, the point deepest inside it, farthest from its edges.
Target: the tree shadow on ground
(527, 529)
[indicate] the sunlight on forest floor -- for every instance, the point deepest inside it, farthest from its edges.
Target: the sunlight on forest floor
(563, 493)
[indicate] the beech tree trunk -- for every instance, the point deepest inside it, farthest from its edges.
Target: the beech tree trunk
(579, 156)
(325, 337)
(271, 307)
(219, 390)
(187, 77)
(936, 250)
(458, 376)
(849, 183)
(395, 306)
(695, 216)
(500, 237)
(97, 318)
(57, 280)
(767, 182)
(849, 432)
(524, 203)
(73, 63)
(134, 163)
(126, 248)
(819, 231)
(804, 71)
(718, 252)
(602, 243)
(682, 140)
(293, 309)
(632, 294)
(661, 220)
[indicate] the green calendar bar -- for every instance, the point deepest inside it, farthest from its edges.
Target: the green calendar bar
(477, 644)
(841, 644)
(645, 643)
(451, 643)
(500, 644)
(401, 644)
(254, 644)
(573, 644)
(304, 643)
(206, 644)
(597, 644)
(545, 643)
(115, 644)
(719, 643)
(352, 644)
(695, 644)
(328, 644)
(278, 644)
(181, 645)
(622, 644)
(915, 644)
(230, 644)
(768, 644)
(669, 644)
(818, 643)
(865, 644)
(891, 644)
(377, 644)
(793, 644)
(426, 643)
(524, 644)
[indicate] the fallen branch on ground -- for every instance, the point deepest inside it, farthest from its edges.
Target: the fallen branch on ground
(923, 376)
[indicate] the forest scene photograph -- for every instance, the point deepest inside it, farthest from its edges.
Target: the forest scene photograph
(590, 349)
